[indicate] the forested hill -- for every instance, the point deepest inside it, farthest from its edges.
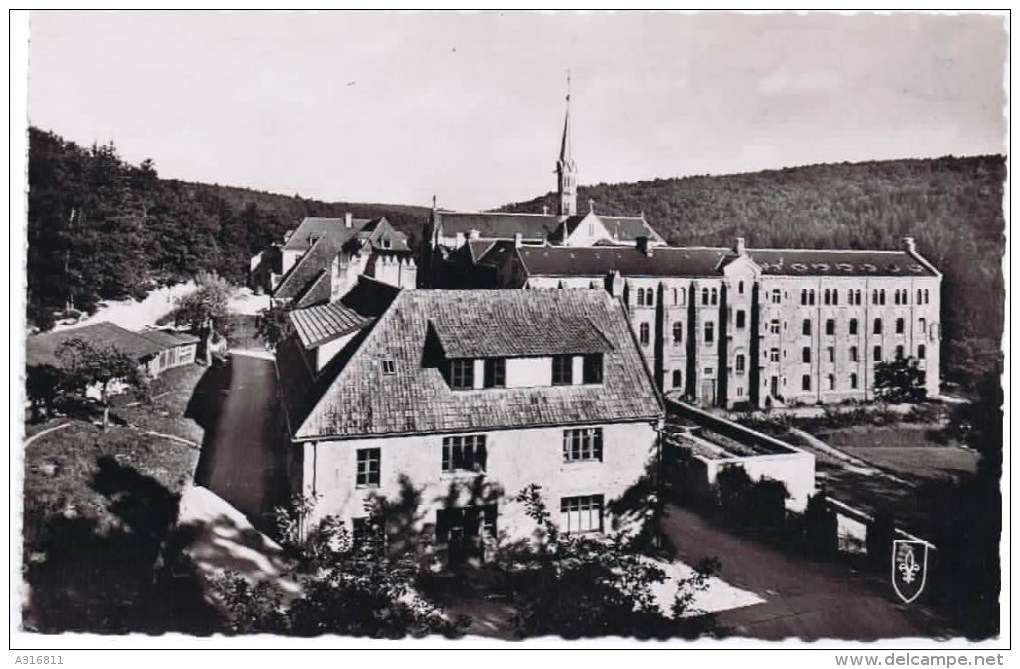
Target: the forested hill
(952, 206)
(99, 228)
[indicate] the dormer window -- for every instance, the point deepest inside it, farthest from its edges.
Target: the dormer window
(495, 373)
(389, 367)
(562, 370)
(386, 243)
(593, 368)
(462, 374)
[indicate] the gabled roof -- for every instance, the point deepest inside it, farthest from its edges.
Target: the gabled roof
(169, 338)
(497, 225)
(361, 305)
(313, 227)
(307, 269)
(360, 400)
(318, 291)
(816, 262)
(627, 260)
(512, 333)
(41, 349)
(629, 228)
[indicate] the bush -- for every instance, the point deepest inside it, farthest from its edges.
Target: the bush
(820, 528)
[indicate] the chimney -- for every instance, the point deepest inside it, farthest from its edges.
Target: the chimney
(474, 234)
(518, 240)
(643, 246)
(545, 210)
(741, 247)
(910, 245)
(591, 205)
(348, 220)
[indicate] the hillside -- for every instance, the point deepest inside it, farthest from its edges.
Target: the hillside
(99, 228)
(952, 206)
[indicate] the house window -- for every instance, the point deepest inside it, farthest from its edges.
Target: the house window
(831, 353)
(921, 351)
(922, 325)
(805, 354)
(926, 296)
(462, 373)
(740, 318)
(592, 368)
(774, 355)
(584, 445)
(740, 288)
(874, 296)
(644, 334)
(678, 378)
(811, 297)
(835, 297)
(853, 354)
(740, 363)
(803, 297)
(581, 514)
(830, 326)
(368, 467)
(562, 370)
(679, 297)
(853, 326)
(641, 297)
(806, 328)
(899, 352)
(389, 367)
(881, 297)
(715, 296)
(704, 296)
(777, 297)
(740, 391)
(853, 381)
(805, 382)
(919, 296)
(774, 326)
(495, 373)
(649, 297)
(709, 332)
(678, 333)
(832, 382)
(876, 354)
(464, 453)
(367, 534)
(878, 326)
(899, 326)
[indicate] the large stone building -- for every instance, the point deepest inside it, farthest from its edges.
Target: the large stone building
(727, 326)
(321, 259)
(459, 400)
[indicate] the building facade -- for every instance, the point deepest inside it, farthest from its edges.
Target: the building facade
(458, 400)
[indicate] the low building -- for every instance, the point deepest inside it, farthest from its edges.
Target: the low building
(320, 259)
(458, 400)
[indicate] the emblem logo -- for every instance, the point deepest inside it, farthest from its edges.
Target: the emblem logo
(909, 568)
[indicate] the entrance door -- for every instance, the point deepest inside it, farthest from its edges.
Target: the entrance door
(774, 386)
(462, 532)
(708, 392)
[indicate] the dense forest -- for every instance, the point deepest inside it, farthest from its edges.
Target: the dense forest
(952, 206)
(100, 228)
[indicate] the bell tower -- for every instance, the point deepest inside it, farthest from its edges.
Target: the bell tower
(566, 168)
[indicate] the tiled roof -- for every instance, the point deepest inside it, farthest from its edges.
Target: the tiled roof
(811, 262)
(509, 331)
(627, 260)
(497, 225)
(359, 400)
(169, 338)
(42, 349)
(314, 227)
(318, 291)
(307, 269)
(320, 324)
(629, 228)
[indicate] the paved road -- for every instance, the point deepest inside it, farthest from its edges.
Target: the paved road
(243, 457)
(804, 598)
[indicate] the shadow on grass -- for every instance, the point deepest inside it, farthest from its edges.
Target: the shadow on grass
(84, 575)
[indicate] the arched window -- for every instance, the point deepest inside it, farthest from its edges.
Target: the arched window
(811, 297)
(921, 351)
(835, 297)
(739, 363)
(715, 296)
(678, 378)
(853, 381)
(643, 331)
(919, 296)
(740, 287)
(704, 296)
(649, 297)
(641, 297)
(678, 333)
(709, 332)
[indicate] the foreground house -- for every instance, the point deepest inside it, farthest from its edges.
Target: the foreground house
(459, 400)
(155, 350)
(320, 259)
(732, 326)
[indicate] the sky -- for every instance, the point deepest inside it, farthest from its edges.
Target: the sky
(398, 107)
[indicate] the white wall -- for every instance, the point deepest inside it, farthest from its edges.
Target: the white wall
(796, 470)
(516, 459)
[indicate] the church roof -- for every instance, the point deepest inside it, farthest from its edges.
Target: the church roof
(497, 225)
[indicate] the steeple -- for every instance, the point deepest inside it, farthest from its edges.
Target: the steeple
(566, 168)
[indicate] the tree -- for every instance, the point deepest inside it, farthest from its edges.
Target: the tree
(204, 310)
(42, 386)
(88, 365)
(273, 324)
(900, 380)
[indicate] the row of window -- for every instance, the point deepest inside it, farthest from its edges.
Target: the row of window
(854, 297)
(830, 326)
(462, 371)
(854, 382)
(852, 353)
(468, 453)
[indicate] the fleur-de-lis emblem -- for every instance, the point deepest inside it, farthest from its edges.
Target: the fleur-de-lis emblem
(908, 566)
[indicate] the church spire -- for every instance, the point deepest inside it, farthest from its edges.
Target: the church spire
(566, 168)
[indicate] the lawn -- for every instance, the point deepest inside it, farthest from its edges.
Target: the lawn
(97, 507)
(912, 451)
